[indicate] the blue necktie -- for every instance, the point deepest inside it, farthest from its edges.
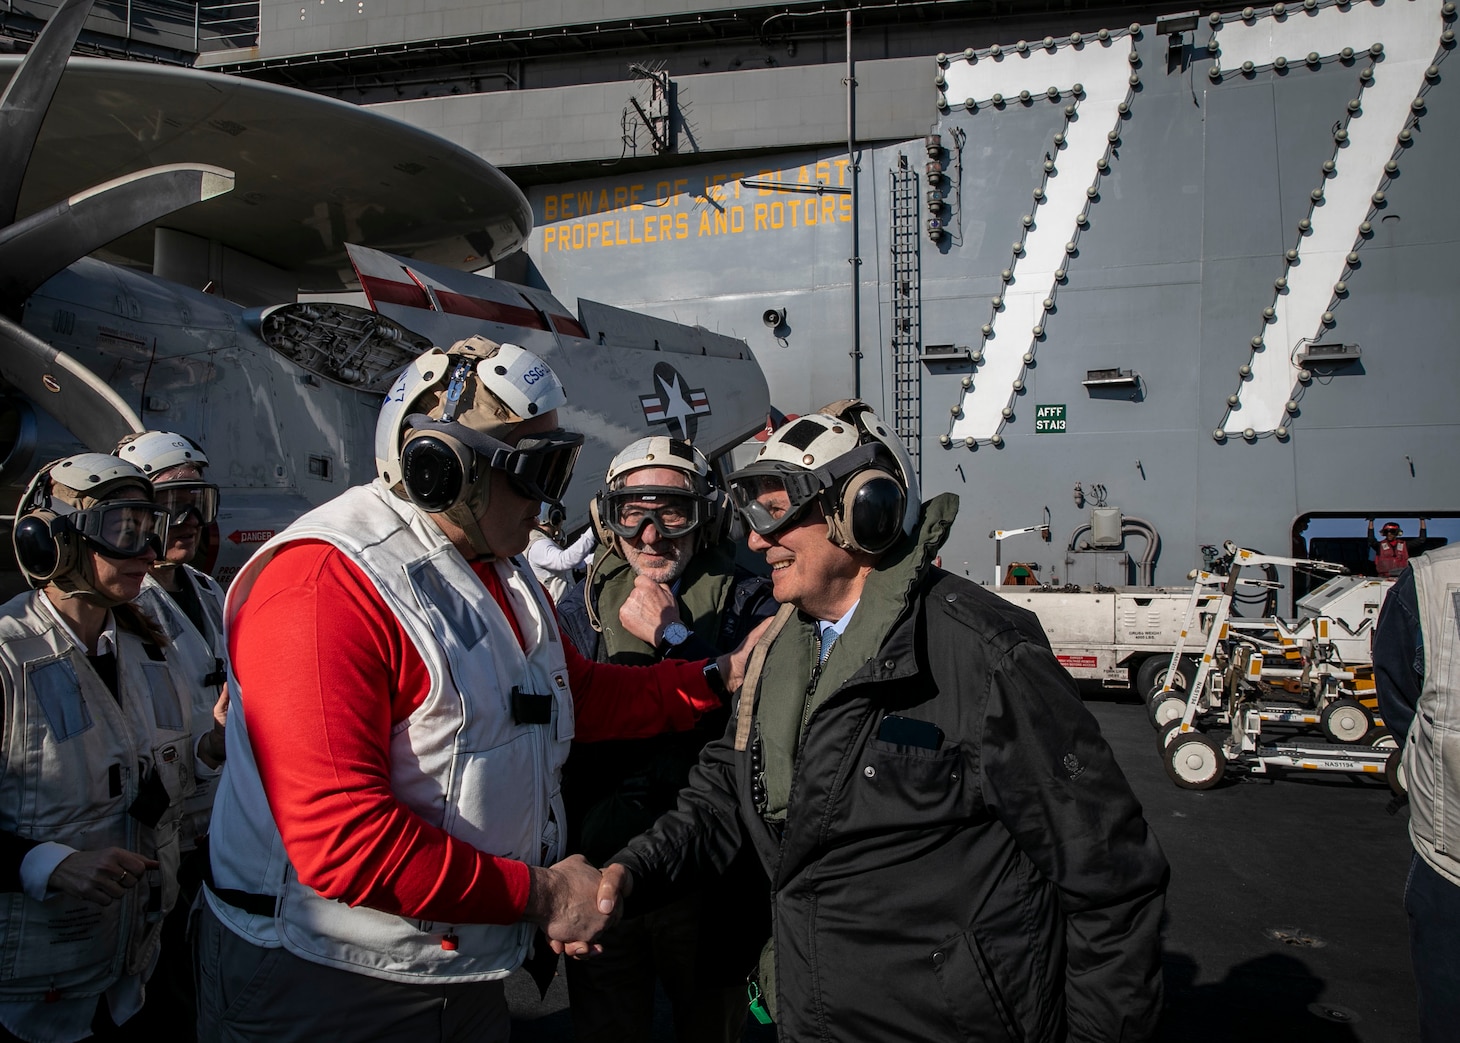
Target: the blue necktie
(828, 638)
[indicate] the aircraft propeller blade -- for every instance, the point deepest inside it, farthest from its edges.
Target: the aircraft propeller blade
(28, 95)
(76, 397)
(37, 247)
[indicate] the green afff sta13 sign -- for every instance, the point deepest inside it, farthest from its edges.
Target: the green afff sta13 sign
(1049, 420)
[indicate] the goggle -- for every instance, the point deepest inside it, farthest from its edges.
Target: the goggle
(673, 511)
(123, 528)
(194, 499)
(538, 467)
(800, 486)
(1391, 530)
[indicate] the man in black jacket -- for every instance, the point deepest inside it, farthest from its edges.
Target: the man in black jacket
(664, 585)
(953, 853)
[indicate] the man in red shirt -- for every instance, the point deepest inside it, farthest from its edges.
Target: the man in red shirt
(385, 842)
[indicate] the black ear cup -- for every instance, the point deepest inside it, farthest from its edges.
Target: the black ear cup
(44, 546)
(437, 471)
(606, 536)
(870, 511)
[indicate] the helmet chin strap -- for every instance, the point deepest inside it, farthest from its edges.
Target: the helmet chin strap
(471, 507)
(81, 583)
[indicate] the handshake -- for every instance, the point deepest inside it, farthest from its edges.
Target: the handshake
(574, 903)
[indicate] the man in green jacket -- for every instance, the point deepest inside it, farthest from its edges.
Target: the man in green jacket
(952, 851)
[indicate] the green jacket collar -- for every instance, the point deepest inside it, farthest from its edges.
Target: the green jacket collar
(792, 687)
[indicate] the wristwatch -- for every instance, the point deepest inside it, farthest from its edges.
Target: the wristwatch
(675, 634)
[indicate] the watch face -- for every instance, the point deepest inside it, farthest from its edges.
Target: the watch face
(675, 634)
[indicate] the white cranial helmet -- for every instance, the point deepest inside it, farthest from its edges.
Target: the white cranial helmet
(844, 458)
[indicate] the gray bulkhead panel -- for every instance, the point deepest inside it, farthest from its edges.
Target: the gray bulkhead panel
(1205, 189)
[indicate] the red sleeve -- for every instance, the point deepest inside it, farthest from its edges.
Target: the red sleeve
(328, 673)
(634, 702)
(621, 702)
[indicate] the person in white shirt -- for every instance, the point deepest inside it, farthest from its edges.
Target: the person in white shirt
(101, 753)
(552, 563)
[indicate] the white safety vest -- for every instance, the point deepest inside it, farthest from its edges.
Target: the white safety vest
(202, 658)
(1432, 751)
(75, 759)
(460, 761)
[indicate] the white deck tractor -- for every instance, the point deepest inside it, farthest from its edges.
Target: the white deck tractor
(1310, 680)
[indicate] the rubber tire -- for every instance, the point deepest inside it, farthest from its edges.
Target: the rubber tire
(1195, 761)
(1394, 772)
(1167, 734)
(1159, 710)
(1382, 739)
(1151, 674)
(1345, 712)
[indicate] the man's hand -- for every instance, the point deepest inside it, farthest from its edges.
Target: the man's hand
(732, 664)
(99, 877)
(214, 748)
(565, 902)
(617, 883)
(648, 610)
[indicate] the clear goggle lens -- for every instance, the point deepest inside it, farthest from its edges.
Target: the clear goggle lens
(768, 502)
(198, 500)
(673, 512)
(123, 528)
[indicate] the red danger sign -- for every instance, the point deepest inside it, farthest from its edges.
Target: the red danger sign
(251, 535)
(1078, 662)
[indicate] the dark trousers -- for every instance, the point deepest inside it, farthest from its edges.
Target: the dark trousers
(612, 995)
(1433, 905)
(247, 992)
